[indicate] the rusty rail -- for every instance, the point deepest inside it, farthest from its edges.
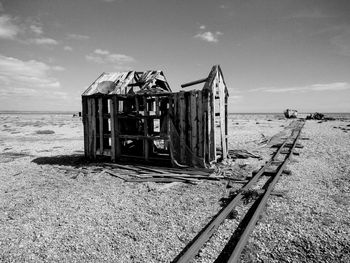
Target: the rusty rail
(192, 249)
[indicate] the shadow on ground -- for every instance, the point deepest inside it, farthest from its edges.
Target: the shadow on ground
(69, 160)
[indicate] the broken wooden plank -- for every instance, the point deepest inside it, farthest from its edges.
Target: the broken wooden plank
(124, 178)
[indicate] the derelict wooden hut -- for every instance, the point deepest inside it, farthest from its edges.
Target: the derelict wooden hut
(136, 116)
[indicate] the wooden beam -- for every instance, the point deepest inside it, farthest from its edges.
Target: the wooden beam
(193, 83)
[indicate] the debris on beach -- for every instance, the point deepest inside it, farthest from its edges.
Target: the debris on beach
(290, 114)
(315, 116)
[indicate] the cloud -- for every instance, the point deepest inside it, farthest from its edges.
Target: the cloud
(25, 77)
(58, 68)
(104, 56)
(37, 29)
(335, 86)
(43, 41)
(68, 48)
(310, 14)
(207, 35)
(8, 28)
(77, 37)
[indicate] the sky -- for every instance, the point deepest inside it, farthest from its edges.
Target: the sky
(274, 54)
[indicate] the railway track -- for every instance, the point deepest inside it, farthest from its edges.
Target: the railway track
(270, 172)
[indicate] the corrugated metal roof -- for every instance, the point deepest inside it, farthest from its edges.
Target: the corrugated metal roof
(129, 82)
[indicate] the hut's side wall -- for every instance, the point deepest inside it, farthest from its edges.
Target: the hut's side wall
(187, 119)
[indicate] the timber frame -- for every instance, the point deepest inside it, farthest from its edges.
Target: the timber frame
(135, 116)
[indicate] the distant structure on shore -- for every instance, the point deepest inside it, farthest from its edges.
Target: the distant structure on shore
(290, 114)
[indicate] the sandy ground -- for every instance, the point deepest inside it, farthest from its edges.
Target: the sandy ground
(48, 214)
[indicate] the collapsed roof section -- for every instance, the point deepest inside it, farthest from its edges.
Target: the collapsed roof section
(128, 83)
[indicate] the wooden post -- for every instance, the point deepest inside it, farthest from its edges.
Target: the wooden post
(212, 117)
(193, 120)
(145, 141)
(205, 126)
(100, 121)
(85, 118)
(113, 117)
(182, 119)
(157, 105)
(116, 128)
(200, 139)
(93, 128)
(222, 118)
(226, 126)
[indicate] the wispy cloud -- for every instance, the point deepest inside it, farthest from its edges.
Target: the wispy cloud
(208, 36)
(67, 48)
(335, 86)
(77, 37)
(101, 56)
(43, 41)
(26, 77)
(8, 27)
(311, 14)
(37, 29)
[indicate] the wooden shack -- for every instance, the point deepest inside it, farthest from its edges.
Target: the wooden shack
(136, 116)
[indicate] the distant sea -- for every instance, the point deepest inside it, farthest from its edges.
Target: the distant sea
(39, 112)
(336, 115)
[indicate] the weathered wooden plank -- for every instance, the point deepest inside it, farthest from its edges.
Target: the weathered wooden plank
(145, 141)
(157, 106)
(85, 113)
(93, 147)
(200, 139)
(226, 125)
(188, 128)
(113, 116)
(100, 121)
(206, 125)
(212, 123)
(193, 119)
(222, 118)
(116, 128)
(182, 127)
